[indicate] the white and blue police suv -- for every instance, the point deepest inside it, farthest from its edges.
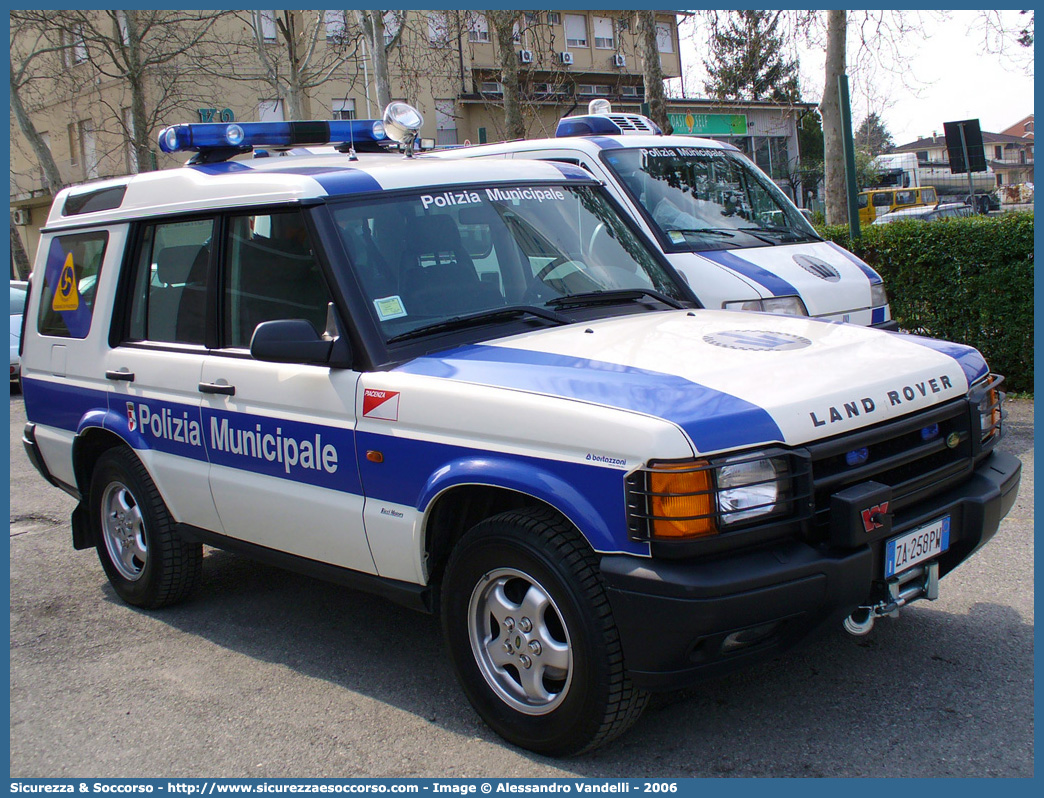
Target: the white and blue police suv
(717, 218)
(473, 388)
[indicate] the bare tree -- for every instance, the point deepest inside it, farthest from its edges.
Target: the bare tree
(652, 72)
(382, 31)
(504, 24)
(145, 52)
(286, 46)
(34, 48)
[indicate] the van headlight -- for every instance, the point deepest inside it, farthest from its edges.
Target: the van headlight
(781, 305)
(690, 499)
(878, 297)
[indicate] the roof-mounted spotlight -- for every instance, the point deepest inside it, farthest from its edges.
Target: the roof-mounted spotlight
(402, 122)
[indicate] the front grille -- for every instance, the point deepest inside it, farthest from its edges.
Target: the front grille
(901, 454)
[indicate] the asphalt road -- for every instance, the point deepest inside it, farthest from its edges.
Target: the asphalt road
(265, 673)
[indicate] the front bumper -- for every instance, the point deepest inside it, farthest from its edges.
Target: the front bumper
(684, 620)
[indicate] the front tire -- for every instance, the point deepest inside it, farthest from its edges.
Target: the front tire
(531, 635)
(146, 562)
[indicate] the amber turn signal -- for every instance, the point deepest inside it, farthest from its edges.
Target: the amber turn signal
(680, 501)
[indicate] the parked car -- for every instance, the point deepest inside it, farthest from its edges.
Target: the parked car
(927, 213)
(18, 295)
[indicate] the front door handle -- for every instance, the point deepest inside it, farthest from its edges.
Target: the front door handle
(120, 376)
(214, 387)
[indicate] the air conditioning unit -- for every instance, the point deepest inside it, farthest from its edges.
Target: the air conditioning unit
(20, 216)
(619, 60)
(566, 58)
(525, 56)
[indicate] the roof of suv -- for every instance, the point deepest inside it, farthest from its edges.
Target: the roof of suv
(587, 143)
(298, 177)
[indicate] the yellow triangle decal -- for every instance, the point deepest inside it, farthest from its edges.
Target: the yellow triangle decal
(67, 297)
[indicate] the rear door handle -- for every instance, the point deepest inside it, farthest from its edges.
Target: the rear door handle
(120, 376)
(214, 387)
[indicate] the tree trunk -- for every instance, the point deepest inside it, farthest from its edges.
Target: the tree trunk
(503, 22)
(139, 132)
(372, 24)
(830, 108)
(19, 259)
(52, 177)
(652, 73)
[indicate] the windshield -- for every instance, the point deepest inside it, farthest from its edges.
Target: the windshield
(437, 256)
(703, 198)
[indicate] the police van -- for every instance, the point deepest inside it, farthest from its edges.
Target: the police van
(475, 389)
(719, 220)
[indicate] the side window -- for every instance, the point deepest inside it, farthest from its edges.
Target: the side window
(169, 299)
(71, 274)
(271, 273)
(904, 198)
(882, 199)
(928, 196)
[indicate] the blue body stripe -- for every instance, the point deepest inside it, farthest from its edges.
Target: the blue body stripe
(712, 419)
(415, 472)
(877, 315)
(871, 275)
(572, 172)
(604, 142)
(222, 168)
(771, 282)
(972, 363)
(338, 181)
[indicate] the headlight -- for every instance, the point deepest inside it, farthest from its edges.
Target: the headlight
(750, 488)
(782, 305)
(878, 297)
(698, 498)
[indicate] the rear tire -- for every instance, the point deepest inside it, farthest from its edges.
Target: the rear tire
(531, 635)
(147, 563)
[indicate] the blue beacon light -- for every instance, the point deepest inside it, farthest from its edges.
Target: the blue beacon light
(244, 135)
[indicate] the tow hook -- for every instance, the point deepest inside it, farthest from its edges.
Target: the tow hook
(917, 583)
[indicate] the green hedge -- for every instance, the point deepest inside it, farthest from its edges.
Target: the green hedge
(967, 280)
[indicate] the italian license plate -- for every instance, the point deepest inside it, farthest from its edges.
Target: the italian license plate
(916, 546)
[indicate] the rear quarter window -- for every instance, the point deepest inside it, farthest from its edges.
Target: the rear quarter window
(70, 282)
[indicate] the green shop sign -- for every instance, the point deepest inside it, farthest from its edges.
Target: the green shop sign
(708, 124)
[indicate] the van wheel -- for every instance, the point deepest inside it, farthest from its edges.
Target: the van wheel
(531, 635)
(146, 562)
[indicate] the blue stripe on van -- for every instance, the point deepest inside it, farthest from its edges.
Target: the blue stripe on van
(871, 275)
(770, 281)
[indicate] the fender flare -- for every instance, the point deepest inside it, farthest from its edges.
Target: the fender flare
(540, 483)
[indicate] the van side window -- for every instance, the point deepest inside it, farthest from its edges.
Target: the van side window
(271, 273)
(70, 280)
(169, 298)
(882, 199)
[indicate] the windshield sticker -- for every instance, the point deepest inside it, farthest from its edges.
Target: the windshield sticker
(449, 198)
(678, 152)
(517, 194)
(676, 236)
(389, 307)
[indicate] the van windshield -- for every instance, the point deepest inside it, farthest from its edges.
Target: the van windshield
(702, 198)
(441, 256)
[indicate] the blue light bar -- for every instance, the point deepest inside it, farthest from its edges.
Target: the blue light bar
(245, 135)
(599, 125)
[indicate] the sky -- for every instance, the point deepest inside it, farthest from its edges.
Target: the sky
(946, 77)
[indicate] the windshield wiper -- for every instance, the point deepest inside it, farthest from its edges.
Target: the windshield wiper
(478, 319)
(607, 297)
(717, 231)
(795, 235)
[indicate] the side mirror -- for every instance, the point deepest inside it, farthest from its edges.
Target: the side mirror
(296, 341)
